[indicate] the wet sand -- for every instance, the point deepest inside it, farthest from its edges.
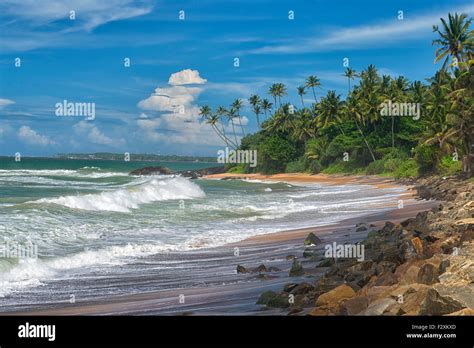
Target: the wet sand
(208, 284)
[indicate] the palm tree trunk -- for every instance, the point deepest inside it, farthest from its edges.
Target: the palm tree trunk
(241, 127)
(302, 102)
(223, 133)
(393, 136)
(233, 129)
(365, 140)
(314, 94)
(219, 134)
(258, 120)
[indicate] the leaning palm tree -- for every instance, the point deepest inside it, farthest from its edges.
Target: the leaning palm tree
(456, 39)
(301, 92)
(350, 74)
(312, 82)
(213, 120)
(221, 112)
(231, 115)
(237, 105)
(205, 111)
(266, 106)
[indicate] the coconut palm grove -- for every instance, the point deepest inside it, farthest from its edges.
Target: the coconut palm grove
(353, 135)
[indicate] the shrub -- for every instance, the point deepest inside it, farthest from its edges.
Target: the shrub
(407, 169)
(448, 166)
(297, 166)
(426, 157)
(375, 167)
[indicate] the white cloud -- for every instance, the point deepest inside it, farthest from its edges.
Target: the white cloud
(95, 136)
(365, 36)
(170, 98)
(5, 102)
(89, 14)
(178, 120)
(29, 136)
(186, 77)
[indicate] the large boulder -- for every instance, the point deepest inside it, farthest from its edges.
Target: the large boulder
(435, 304)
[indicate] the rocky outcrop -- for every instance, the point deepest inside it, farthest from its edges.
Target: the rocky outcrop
(422, 266)
(193, 174)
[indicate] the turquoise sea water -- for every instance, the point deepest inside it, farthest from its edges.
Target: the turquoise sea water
(90, 215)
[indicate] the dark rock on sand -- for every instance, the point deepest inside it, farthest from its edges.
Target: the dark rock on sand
(242, 269)
(272, 299)
(311, 239)
(296, 269)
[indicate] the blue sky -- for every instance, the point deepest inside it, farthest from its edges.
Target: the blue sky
(82, 60)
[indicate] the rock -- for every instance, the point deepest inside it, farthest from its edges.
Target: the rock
(361, 228)
(261, 269)
(385, 266)
(296, 269)
(152, 171)
(289, 286)
(290, 257)
(242, 269)
(272, 299)
(435, 304)
(418, 245)
(443, 266)
(311, 239)
(328, 262)
(428, 274)
(463, 312)
(302, 289)
(310, 254)
(379, 307)
(411, 297)
(335, 296)
(354, 306)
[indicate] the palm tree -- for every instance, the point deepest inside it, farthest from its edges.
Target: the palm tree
(330, 111)
(237, 105)
(205, 111)
(312, 82)
(255, 101)
(456, 40)
(273, 91)
(221, 112)
(352, 110)
(301, 92)
(277, 90)
(266, 106)
(350, 74)
(231, 114)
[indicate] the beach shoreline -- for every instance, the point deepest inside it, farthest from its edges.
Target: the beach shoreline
(269, 249)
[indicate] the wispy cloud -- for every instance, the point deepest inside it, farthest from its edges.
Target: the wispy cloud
(381, 34)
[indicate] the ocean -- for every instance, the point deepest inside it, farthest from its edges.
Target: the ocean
(88, 219)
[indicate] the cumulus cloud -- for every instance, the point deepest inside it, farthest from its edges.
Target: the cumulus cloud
(29, 136)
(186, 77)
(5, 102)
(95, 136)
(173, 114)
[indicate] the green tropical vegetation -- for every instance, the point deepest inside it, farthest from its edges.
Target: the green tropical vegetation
(352, 135)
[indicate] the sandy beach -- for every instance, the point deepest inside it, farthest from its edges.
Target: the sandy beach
(210, 284)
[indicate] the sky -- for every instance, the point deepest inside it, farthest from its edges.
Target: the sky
(182, 55)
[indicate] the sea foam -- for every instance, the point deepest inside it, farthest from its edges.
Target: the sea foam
(125, 199)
